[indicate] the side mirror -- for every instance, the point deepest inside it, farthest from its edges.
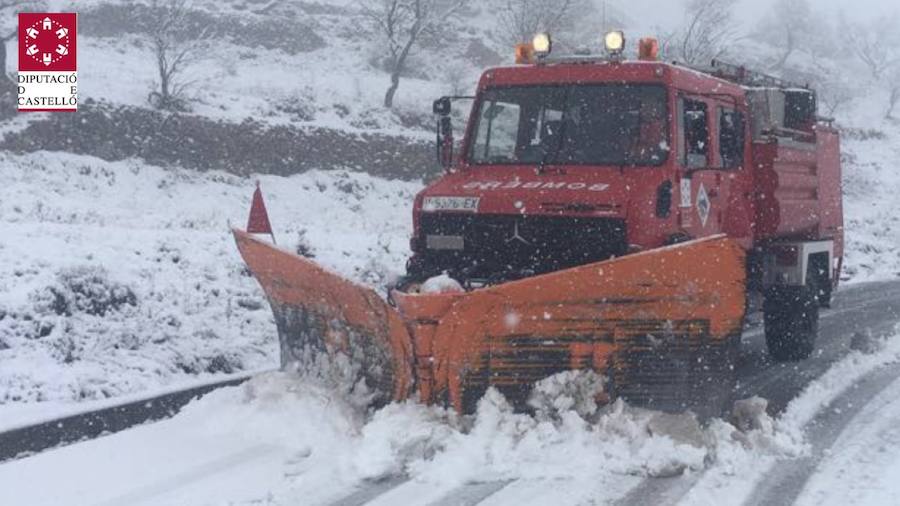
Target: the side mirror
(445, 141)
(442, 106)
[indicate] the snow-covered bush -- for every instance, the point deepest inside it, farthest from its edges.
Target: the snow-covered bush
(83, 289)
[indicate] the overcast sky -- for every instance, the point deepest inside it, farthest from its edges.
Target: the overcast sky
(665, 12)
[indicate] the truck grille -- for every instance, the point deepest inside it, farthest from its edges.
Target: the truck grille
(503, 247)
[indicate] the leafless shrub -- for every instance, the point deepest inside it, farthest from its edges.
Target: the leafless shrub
(401, 24)
(176, 45)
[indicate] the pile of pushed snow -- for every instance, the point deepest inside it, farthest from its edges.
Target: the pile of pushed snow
(442, 450)
(123, 277)
(441, 284)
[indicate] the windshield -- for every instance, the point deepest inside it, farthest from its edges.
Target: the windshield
(610, 124)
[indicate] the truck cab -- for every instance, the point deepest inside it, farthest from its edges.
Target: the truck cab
(572, 161)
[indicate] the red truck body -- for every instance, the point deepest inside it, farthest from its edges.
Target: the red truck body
(784, 187)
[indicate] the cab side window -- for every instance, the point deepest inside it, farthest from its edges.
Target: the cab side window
(731, 138)
(695, 133)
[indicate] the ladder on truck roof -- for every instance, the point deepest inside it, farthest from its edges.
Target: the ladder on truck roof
(743, 76)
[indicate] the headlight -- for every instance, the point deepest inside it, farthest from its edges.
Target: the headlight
(614, 42)
(542, 44)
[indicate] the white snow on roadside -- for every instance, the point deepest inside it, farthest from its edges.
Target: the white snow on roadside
(17, 415)
(737, 472)
(865, 459)
(120, 277)
(279, 441)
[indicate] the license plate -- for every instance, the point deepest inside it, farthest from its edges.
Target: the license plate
(444, 242)
(467, 204)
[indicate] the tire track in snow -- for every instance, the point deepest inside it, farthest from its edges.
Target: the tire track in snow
(866, 442)
(472, 493)
(660, 490)
(783, 484)
(147, 493)
(372, 490)
(876, 307)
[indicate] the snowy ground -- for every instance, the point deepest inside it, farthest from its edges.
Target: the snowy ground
(277, 441)
(866, 458)
(122, 277)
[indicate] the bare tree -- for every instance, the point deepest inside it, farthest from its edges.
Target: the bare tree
(893, 98)
(521, 19)
(401, 23)
(834, 92)
(573, 24)
(176, 46)
(8, 11)
(792, 26)
(707, 33)
(875, 44)
(891, 83)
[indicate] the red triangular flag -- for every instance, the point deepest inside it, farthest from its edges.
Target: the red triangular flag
(259, 217)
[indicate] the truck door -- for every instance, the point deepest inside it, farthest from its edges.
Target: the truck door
(736, 180)
(699, 187)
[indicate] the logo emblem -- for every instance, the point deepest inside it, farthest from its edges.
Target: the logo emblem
(516, 236)
(703, 204)
(47, 65)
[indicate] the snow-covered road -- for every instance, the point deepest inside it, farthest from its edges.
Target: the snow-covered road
(274, 441)
(865, 459)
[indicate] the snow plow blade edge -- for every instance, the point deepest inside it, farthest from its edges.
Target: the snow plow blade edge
(662, 325)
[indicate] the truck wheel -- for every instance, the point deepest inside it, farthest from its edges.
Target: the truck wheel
(819, 268)
(825, 290)
(791, 318)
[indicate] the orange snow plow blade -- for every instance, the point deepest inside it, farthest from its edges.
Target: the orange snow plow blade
(662, 325)
(324, 320)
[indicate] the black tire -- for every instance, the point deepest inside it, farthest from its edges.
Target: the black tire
(791, 318)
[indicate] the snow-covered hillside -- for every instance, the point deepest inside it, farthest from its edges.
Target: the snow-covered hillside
(306, 64)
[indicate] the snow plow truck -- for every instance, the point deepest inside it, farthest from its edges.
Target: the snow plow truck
(601, 213)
